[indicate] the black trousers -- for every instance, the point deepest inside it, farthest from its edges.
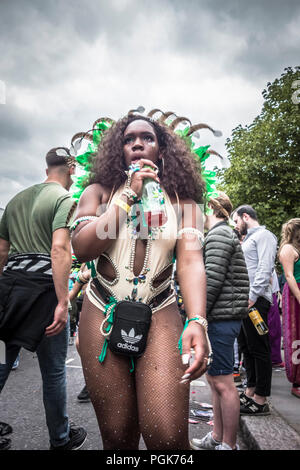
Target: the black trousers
(257, 352)
(27, 304)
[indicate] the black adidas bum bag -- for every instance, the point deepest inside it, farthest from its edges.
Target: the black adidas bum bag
(130, 328)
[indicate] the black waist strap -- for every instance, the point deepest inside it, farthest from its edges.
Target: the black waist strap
(29, 262)
(154, 302)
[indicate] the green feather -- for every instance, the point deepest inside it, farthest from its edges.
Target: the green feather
(85, 159)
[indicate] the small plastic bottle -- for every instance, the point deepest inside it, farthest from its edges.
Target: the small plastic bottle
(153, 202)
(257, 321)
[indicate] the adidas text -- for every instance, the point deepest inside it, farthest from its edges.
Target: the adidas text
(127, 346)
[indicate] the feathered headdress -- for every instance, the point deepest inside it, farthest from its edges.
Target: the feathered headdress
(179, 124)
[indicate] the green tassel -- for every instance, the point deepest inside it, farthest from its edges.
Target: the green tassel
(91, 266)
(184, 328)
(180, 339)
(132, 364)
(103, 352)
(110, 320)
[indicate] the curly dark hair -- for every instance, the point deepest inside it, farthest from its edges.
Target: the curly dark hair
(181, 174)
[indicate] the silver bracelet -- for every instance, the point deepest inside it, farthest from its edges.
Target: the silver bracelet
(203, 322)
(192, 230)
(129, 174)
(128, 182)
(130, 194)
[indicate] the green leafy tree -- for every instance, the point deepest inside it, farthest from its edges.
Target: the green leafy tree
(265, 156)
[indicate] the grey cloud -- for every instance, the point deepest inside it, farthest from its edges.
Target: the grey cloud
(13, 126)
(267, 46)
(24, 142)
(39, 39)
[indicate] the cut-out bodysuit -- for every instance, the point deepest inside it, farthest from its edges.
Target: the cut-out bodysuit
(150, 401)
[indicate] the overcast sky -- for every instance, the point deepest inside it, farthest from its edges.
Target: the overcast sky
(65, 63)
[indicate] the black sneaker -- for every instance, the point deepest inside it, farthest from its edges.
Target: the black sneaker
(5, 443)
(5, 429)
(255, 409)
(77, 439)
(84, 395)
(244, 400)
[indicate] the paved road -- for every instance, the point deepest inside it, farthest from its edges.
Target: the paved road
(21, 405)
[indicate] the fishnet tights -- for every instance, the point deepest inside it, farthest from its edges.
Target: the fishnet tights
(150, 401)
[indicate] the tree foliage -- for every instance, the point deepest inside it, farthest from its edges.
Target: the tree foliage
(265, 156)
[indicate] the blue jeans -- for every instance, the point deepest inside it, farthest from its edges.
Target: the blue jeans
(51, 353)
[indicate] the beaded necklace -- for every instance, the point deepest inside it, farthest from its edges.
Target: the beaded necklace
(140, 278)
(132, 224)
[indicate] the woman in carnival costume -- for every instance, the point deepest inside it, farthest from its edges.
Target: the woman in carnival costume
(289, 257)
(147, 395)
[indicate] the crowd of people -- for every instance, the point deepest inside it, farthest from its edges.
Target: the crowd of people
(137, 354)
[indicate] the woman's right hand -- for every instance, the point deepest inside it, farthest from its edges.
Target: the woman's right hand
(138, 177)
(194, 338)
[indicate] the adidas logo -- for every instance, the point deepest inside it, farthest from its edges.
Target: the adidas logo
(129, 347)
(130, 337)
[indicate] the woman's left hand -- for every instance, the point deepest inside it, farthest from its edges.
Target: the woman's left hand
(194, 337)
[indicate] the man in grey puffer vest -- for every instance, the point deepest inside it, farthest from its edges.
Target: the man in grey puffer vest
(227, 306)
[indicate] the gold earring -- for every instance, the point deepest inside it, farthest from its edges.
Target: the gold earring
(163, 165)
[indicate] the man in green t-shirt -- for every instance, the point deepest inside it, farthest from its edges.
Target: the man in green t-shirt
(35, 261)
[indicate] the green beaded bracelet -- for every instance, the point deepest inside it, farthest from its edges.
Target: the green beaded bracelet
(82, 219)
